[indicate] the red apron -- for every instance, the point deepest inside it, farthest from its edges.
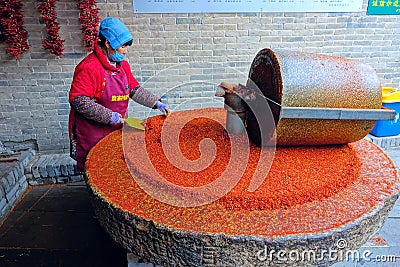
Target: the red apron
(88, 132)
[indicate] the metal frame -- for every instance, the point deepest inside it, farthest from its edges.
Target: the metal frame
(336, 113)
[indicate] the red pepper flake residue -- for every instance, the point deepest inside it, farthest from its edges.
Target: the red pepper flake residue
(378, 240)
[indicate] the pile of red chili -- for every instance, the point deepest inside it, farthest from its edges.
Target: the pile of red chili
(306, 189)
(297, 175)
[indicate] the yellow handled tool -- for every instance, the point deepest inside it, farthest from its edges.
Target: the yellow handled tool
(135, 123)
(138, 123)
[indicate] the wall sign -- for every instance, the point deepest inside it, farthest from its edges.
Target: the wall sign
(383, 7)
(240, 6)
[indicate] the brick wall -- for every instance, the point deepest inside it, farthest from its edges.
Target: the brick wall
(178, 56)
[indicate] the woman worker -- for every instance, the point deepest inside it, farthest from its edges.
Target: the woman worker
(101, 87)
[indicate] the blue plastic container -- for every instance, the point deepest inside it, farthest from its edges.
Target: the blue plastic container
(388, 128)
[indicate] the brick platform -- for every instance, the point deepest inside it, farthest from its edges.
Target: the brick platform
(51, 169)
(387, 142)
(13, 181)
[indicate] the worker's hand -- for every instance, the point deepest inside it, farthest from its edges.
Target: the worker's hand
(164, 108)
(116, 118)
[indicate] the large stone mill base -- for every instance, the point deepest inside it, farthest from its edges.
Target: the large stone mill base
(169, 247)
(316, 233)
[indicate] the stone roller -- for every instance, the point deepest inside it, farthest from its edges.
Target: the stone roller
(297, 98)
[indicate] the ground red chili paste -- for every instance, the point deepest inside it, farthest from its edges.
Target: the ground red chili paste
(298, 174)
(308, 189)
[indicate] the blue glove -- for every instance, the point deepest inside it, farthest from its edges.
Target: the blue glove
(164, 108)
(115, 118)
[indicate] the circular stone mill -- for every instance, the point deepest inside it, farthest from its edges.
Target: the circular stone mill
(296, 101)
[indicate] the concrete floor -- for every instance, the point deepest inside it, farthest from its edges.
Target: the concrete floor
(54, 225)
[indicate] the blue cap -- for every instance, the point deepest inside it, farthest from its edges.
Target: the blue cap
(115, 32)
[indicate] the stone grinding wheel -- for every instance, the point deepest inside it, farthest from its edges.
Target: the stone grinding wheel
(298, 79)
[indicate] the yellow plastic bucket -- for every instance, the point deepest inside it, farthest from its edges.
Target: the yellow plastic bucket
(391, 96)
(387, 90)
(391, 100)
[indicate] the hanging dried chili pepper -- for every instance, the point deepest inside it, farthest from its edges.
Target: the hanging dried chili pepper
(53, 42)
(89, 19)
(12, 24)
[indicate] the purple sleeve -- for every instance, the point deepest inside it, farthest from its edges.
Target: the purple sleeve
(91, 110)
(143, 97)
